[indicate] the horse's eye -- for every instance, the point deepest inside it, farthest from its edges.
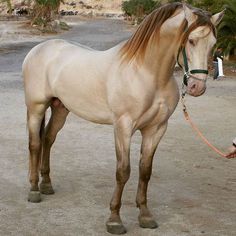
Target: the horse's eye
(191, 41)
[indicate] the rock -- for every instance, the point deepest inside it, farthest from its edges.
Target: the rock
(88, 7)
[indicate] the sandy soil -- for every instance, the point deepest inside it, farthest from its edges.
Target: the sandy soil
(192, 190)
(18, 31)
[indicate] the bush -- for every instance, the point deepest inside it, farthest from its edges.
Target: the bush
(44, 11)
(137, 9)
(64, 26)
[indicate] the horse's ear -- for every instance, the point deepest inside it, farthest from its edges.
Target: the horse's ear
(215, 19)
(189, 16)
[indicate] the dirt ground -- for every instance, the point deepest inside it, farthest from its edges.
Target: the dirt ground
(192, 190)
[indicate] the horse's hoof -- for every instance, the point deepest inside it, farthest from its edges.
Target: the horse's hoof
(115, 228)
(34, 196)
(147, 222)
(46, 188)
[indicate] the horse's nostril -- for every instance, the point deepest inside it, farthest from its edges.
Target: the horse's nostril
(193, 86)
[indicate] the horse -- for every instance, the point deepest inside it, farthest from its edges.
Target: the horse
(130, 86)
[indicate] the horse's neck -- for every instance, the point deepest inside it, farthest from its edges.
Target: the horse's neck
(160, 60)
(160, 57)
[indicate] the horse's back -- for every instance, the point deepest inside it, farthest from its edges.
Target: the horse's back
(57, 68)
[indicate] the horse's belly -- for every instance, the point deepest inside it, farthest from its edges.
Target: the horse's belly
(87, 109)
(86, 101)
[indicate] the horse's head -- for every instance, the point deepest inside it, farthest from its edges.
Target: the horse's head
(197, 44)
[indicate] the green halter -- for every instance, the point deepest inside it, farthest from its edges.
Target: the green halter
(187, 73)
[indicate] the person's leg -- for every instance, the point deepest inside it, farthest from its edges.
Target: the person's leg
(216, 70)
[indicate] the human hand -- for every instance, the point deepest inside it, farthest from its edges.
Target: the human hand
(231, 152)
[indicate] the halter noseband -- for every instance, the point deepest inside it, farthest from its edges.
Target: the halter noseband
(187, 73)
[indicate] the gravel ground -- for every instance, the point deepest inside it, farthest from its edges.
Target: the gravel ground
(192, 190)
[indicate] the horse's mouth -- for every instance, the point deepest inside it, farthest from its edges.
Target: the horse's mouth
(196, 92)
(196, 88)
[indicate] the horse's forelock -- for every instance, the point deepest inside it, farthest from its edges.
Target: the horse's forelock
(135, 47)
(204, 19)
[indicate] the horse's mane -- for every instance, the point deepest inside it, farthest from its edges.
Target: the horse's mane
(135, 47)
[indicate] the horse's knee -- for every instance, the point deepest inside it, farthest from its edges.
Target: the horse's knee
(34, 146)
(123, 172)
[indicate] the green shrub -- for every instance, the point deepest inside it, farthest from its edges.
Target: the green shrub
(40, 22)
(64, 26)
(139, 8)
(44, 11)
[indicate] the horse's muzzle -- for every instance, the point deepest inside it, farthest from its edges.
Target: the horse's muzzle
(196, 87)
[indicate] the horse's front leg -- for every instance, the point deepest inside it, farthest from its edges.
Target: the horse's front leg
(123, 132)
(151, 137)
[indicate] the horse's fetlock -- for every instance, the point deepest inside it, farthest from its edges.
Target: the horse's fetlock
(141, 201)
(115, 207)
(34, 178)
(34, 184)
(45, 171)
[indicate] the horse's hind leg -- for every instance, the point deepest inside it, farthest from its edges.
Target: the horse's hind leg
(35, 121)
(151, 138)
(56, 122)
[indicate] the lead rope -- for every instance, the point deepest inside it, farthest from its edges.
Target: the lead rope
(195, 128)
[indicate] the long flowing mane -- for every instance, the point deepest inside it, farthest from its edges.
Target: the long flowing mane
(135, 47)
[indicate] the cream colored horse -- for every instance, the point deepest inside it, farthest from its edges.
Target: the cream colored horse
(129, 86)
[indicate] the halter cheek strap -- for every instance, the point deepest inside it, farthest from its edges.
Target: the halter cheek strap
(187, 73)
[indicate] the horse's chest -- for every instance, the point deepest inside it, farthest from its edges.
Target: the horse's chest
(159, 112)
